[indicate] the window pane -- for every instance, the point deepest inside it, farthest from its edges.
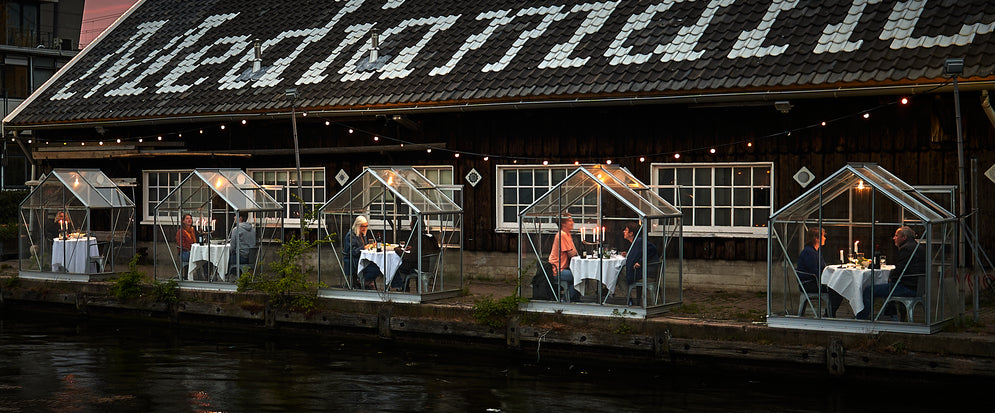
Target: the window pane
(723, 176)
(702, 217)
(510, 177)
(761, 196)
(509, 196)
(510, 214)
(684, 176)
(703, 197)
(702, 176)
(723, 197)
(741, 217)
(685, 197)
(723, 217)
(667, 194)
(666, 176)
(760, 216)
(525, 196)
(761, 176)
(542, 178)
(525, 177)
(741, 196)
(741, 176)
(558, 175)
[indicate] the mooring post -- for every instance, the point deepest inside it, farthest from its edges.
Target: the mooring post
(836, 357)
(513, 333)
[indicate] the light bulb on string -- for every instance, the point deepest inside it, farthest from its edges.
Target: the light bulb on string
(576, 162)
(904, 100)
(159, 137)
(867, 115)
(82, 144)
(545, 163)
(140, 140)
(101, 143)
(823, 123)
(350, 130)
(222, 127)
(118, 140)
(642, 159)
(487, 158)
(180, 135)
(201, 131)
(609, 162)
(29, 140)
(456, 154)
(376, 139)
(677, 156)
(711, 150)
(429, 150)
(749, 144)
(327, 123)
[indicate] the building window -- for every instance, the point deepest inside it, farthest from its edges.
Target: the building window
(727, 199)
(281, 184)
(156, 184)
(519, 186)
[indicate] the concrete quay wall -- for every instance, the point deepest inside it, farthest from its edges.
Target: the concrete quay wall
(666, 340)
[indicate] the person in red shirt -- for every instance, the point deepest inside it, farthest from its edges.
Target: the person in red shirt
(185, 237)
(563, 250)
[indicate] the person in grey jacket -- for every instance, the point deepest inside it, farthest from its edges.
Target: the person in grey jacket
(243, 241)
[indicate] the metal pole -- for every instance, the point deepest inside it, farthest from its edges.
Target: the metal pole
(297, 154)
(961, 208)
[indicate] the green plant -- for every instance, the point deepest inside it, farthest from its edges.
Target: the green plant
(288, 286)
(9, 231)
(129, 284)
(166, 292)
(618, 317)
(496, 313)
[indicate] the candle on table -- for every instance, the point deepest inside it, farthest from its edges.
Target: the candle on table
(855, 250)
(603, 234)
(841, 255)
(582, 234)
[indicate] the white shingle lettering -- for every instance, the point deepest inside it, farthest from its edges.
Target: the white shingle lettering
(144, 33)
(684, 44)
(597, 14)
(552, 14)
(618, 51)
(186, 40)
(498, 18)
(193, 62)
(750, 42)
(902, 22)
(836, 37)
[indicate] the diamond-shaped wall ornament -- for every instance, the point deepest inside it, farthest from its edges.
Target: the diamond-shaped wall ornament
(473, 177)
(990, 173)
(804, 177)
(342, 177)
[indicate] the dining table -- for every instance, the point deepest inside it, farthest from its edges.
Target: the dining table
(215, 253)
(385, 259)
(605, 270)
(73, 254)
(851, 281)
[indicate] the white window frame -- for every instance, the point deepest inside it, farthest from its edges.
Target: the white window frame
(288, 201)
(756, 229)
(538, 190)
(148, 203)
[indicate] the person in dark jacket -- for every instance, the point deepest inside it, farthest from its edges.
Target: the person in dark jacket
(810, 266)
(909, 267)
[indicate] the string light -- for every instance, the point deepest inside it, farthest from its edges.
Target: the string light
(376, 139)
(222, 127)
(905, 101)
(487, 158)
(823, 123)
(642, 159)
(456, 154)
(711, 150)
(118, 140)
(609, 162)
(867, 115)
(159, 137)
(429, 150)
(327, 123)
(544, 163)
(243, 121)
(140, 140)
(677, 156)
(101, 143)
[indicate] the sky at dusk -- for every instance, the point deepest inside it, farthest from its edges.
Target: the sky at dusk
(98, 14)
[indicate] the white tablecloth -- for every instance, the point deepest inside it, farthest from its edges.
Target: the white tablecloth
(387, 261)
(852, 282)
(605, 270)
(72, 254)
(216, 254)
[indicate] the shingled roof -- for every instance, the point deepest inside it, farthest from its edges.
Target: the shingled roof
(167, 59)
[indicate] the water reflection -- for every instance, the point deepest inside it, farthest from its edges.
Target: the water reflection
(63, 365)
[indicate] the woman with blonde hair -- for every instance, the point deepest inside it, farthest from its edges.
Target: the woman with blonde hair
(352, 248)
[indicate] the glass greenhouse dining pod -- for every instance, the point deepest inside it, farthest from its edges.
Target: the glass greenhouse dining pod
(601, 241)
(76, 225)
(865, 252)
(213, 226)
(394, 236)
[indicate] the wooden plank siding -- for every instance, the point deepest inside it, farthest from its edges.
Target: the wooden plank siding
(916, 142)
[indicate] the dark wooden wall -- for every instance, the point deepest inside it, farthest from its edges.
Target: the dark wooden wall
(916, 142)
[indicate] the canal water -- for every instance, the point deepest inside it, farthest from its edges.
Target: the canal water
(56, 364)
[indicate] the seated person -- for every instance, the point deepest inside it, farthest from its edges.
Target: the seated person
(409, 261)
(810, 266)
(61, 225)
(243, 240)
(185, 237)
(910, 265)
(634, 257)
(352, 248)
(561, 253)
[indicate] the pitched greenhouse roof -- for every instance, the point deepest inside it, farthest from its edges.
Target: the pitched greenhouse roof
(234, 186)
(402, 183)
(90, 187)
(167, 59)
(863, 175)
(613, 181)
